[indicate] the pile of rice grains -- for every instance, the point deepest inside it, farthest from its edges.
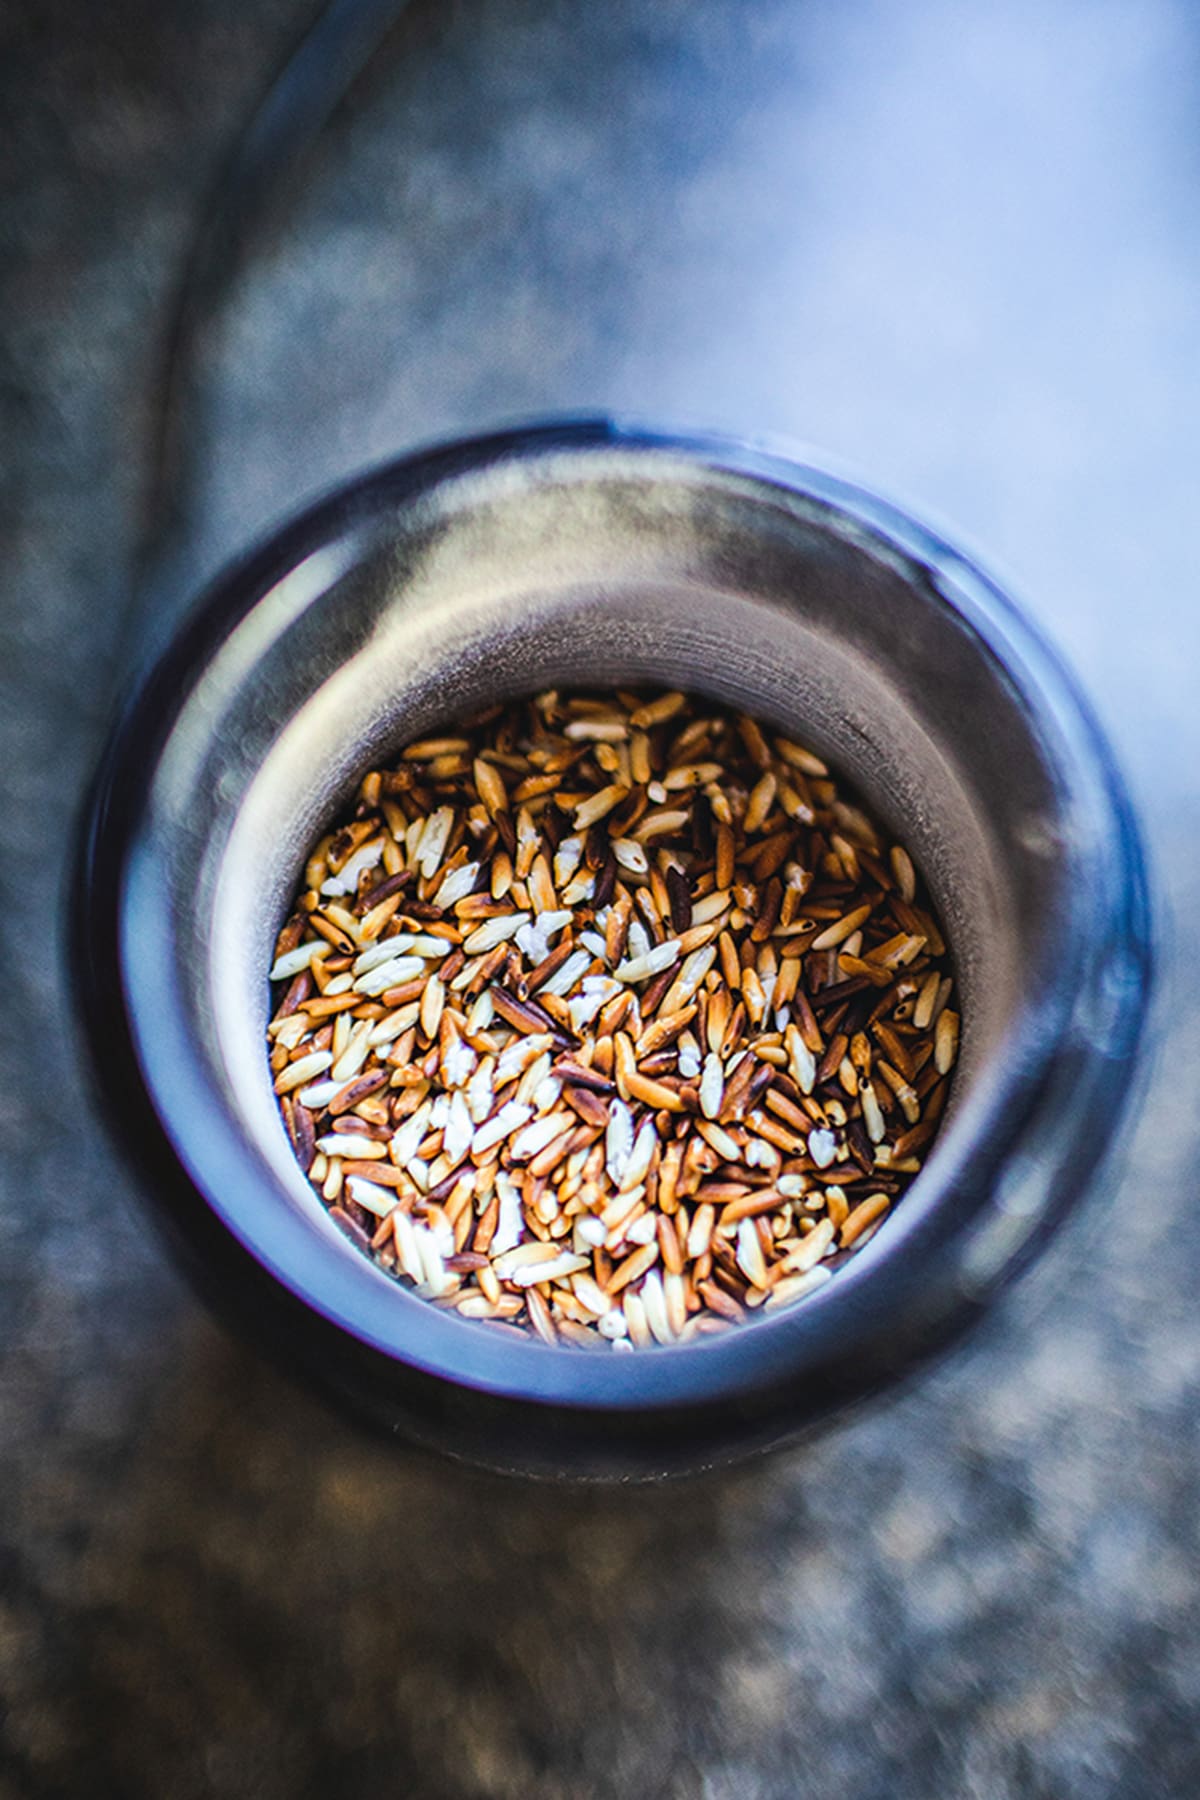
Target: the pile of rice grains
(610, 1019)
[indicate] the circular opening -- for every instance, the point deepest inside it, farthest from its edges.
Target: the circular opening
(498, 573)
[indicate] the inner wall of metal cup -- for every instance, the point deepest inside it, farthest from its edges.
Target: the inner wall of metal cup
(510, 582)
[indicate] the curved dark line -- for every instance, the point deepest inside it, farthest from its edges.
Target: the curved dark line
(283, 128)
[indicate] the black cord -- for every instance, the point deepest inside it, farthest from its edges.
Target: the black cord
(283, 128)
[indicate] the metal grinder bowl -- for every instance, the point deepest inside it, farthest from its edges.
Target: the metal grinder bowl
(594, 554)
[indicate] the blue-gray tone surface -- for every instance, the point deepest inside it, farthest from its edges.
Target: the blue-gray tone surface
(957, 247)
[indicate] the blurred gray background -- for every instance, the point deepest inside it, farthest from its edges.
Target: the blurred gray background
(954, 246)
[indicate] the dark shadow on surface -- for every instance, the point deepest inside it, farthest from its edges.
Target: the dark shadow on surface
(272, 1589)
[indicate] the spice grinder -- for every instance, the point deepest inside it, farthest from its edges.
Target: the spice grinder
(597, 553)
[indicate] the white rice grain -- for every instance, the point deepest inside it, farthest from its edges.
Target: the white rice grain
(359, 1149)
(566, 860)
(712, 1086)
(822, 1147)
(637, 1163)
(408, 1135)
(534, 939)
(618, 1139)
(654, 1305)
(630, 855)
(532, 1274)
(481, 1092)
(407, 1247)
(693, 971)
(456, 885)
(582, 1009)
(640, 968)
(564, 979)
(320, 1093)
(368, 1194)
(495, 931)
(482, 1012)
(300, 1072)
(535, 1136)
(294, 962)
(579, 888)
(355, 1054)
(509, 1119)
(433, 840)
(346, 880)
(459, 1130)
(389, 974)
(795, 1287)
(535, 1073)
(510, 1225)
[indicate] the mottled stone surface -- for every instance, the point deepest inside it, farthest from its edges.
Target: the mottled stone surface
(957, 247)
